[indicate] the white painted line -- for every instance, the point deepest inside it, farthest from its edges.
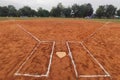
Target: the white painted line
(30, 75)
(89, 76)
(34, 37)
(50, 62)
(33, 51)
(88, 37)
(85, 48)
(75, 69)
(49, 66)
(70, 54)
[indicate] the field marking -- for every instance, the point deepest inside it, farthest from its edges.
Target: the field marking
(49, 65)
(34, 37)
(75, 69)
(85, 48)
(50, 62)
(70, 54)
(92, 34)
(33, 51)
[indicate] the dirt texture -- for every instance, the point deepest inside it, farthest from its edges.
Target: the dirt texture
(16, 46)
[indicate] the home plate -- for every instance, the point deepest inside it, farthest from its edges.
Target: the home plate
(61, 54)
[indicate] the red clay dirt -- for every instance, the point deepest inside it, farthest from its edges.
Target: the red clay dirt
(16, 45)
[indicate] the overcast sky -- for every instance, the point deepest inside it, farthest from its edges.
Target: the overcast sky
(48, 4)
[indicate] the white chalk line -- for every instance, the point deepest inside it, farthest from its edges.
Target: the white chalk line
(85, 76)
(34, 37)
(88, 37)
(30, 75)
(81, 42)
(91, 35)
(50, 62)
(33, 51)
(42, 75)
(75, 69)
(70, 54)
(85, 48)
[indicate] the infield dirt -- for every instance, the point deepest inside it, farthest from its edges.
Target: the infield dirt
(16, 45)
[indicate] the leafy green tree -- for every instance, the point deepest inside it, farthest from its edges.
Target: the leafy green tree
(107, 11)
(33, 13)
(4, 11)
(67, 12)
(43, 13)
(118, 12)
(75, 9)
(25, 11)
(82, 10)
(54, 12)
(110, 11)
(101, 11)
(12, 11)
(0, 11)
(89, 9)
(57, 11)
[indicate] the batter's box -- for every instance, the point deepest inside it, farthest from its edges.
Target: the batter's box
(38, 63)
(85, 64)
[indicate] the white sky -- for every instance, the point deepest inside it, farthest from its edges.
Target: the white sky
(48, 4)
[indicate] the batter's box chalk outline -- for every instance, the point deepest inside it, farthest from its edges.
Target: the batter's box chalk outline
(17, 73)
(91, 55)
(33, 51)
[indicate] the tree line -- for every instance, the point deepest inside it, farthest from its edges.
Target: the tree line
(82, 11)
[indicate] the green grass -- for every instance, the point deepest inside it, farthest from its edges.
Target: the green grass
(106, 20)
(30, 18)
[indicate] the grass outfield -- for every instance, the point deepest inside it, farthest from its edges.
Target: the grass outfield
(30, 18)
(105, 20)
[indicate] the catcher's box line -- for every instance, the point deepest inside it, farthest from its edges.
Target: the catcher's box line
(77, 75)
(33, 51)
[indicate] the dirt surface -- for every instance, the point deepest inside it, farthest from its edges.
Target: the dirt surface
(16, 46)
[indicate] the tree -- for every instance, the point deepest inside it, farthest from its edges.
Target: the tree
(75, 9)
(12, 11)
(100, 12)
(43, 13)
(4, 11)
(110, 11)
(82, 10)
(118, 12)
(89, 9)
(0, 11)
(106, 11)
(67, 12)
(33, 13)
(25, 11)
(54, 12)
(57, 11)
